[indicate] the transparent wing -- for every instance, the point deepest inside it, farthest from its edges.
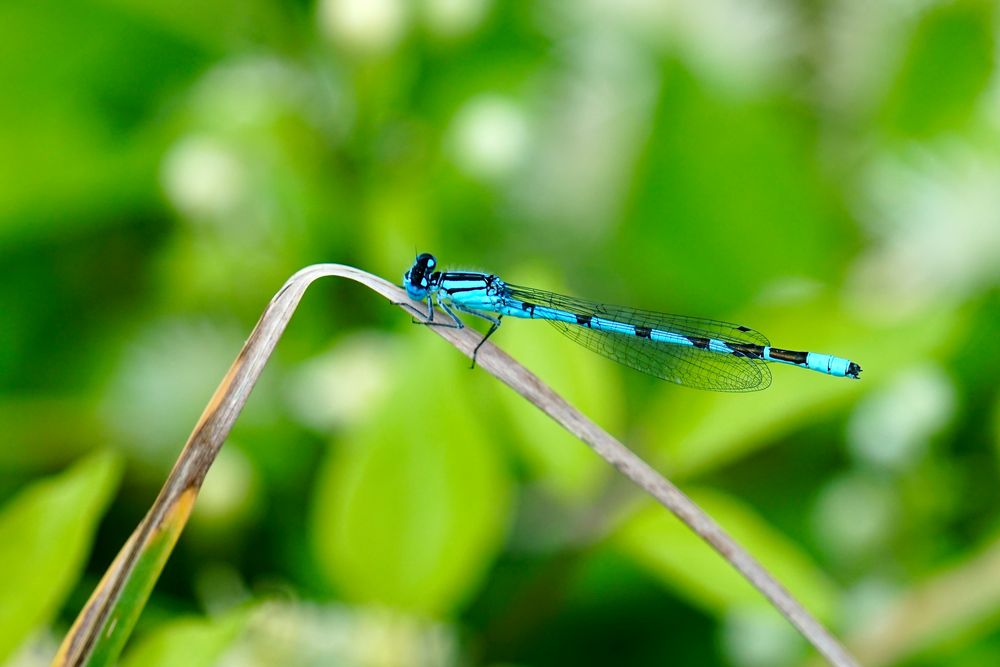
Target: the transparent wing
(689, 366)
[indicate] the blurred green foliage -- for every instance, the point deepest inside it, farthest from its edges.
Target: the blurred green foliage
(826, 172)
(945, 70)
(45, 534)
(416, 536)
(186, 642)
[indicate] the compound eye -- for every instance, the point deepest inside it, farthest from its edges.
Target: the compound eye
(426, 259)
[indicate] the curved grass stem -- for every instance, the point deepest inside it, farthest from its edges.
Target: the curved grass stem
(102, 627)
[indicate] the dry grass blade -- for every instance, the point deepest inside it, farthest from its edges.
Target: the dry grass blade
(103, 625)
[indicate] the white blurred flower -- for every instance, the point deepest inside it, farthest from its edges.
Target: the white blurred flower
(862, 43)
(304, 635)
(891, 426)
(36, 651)
(364, 26)
(854, 516)
(234, 172)
(759, 637)
(738, 45)
(249, 92)
(203, 178)
(454, 18)
(229, 489)
(340, 387)
(602, 98)
(162, 382)
(593, 127)
(490, 136)
(866, 603)
(936, 217)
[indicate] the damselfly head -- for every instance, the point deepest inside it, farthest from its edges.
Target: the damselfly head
(417, 280)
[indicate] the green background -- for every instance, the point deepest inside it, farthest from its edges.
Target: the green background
(827, 172)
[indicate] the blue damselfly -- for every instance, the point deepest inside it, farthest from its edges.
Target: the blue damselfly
(695, 352)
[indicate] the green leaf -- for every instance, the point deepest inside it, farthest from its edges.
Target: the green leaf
(728, 198)
(45, 537)
(101, 118)
(187, 642)
(410, 509)
(946, 69)
(657, 540)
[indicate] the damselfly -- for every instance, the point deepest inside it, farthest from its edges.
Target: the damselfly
(695, 352)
